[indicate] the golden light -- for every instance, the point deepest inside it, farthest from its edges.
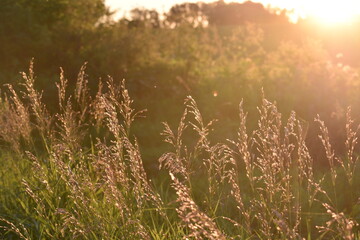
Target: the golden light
(333, 12)
(323, 11)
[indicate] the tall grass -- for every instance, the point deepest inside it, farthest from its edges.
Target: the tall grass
(79, 174)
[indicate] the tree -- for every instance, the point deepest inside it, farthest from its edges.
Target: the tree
(52, 31)
(221, 13)
(186, 13)
(141, 17)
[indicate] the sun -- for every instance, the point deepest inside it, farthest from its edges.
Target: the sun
(334, 12)
(328, 12)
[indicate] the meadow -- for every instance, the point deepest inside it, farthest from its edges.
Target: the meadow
(199, 124)
(79, 173)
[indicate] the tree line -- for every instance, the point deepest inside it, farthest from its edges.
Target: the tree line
(218, 52)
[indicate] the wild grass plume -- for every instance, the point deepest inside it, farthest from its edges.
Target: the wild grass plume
(79, 173)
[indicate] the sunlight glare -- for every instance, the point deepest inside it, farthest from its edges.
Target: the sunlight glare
(323, 11)
(334, 12)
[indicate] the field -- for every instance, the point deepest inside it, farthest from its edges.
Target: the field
(84, 176)
(223, 130)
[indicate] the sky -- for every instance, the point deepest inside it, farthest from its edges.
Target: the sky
(331, 11)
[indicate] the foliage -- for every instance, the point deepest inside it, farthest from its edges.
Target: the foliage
(73, 168)
(79, 173)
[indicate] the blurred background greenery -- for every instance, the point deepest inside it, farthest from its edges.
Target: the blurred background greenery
(217, 52)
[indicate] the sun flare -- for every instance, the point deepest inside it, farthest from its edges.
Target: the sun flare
(323, 11)
(334, 12)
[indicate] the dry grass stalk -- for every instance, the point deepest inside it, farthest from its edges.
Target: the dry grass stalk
(120, 98)
(305, 165)
(112, 172)
(82, 218)
(236, 193)
(350, 162)
(70, 127)
(42, 117)
(344, 225)
(267, 139)
(199, 224)
(71, 120)
(123, 173)
(243, 146)
(330, 154)
(98, 110)
(42, 172)
(109, 187)
(71, 175)
(142, 187)
(217, 165)
(21, 111)
(242, 150)
(199, 126)
(61, 86)
(217, 156)
(21, 232)
(174, 161)
(14, 120)
(275, 194)
(81, 93)
(40, 208)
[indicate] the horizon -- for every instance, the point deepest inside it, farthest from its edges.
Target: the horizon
(335, 12)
